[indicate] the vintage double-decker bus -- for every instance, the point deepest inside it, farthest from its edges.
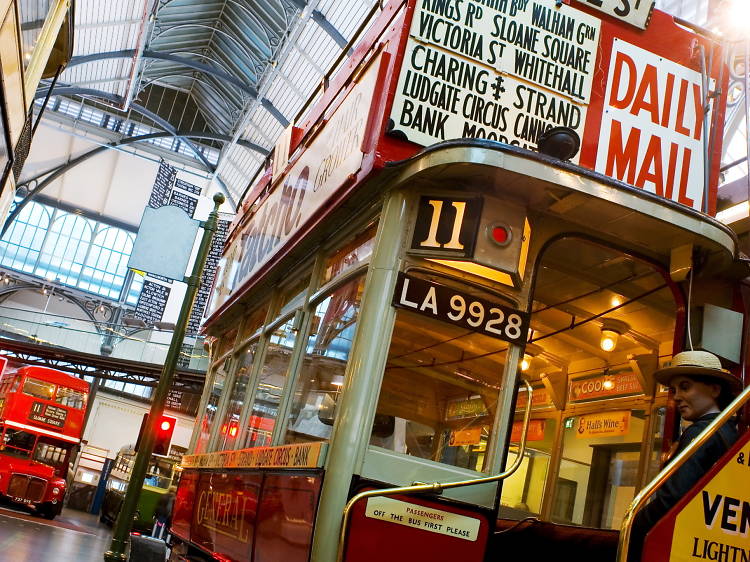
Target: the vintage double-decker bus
(41, 423)
(443, 348)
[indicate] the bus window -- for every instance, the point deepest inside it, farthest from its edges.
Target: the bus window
(230, 425)
(16, 383)
(219, 376)
(524, 489)
(38, 389)
(71, 397)
(18, 443)
(273, 376)
(52, 454)
(322, 375)
(439, 392)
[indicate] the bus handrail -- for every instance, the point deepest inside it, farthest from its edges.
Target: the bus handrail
(437, 487)
(649, 490)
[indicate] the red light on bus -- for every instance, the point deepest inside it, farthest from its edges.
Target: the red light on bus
(166, 425)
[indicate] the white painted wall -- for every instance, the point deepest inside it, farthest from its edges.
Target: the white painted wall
(114, 423)
(114, 184)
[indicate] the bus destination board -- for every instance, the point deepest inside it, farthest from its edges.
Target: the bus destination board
(48, 414)
(503, 70)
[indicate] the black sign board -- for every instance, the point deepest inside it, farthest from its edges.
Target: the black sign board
(151, 302)
(447, 226)
(163, 183)
(207, 280)
(46, 413)
(467, 311)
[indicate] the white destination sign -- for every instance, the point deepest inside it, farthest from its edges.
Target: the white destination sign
(635, 12)
(425, 518)
(333, 155)
(505, 70)
(652, 127)
(433, 104)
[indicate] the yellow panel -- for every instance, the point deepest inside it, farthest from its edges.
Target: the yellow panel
(524, 248)
(476, 269)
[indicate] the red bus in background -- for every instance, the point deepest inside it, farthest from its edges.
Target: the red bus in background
(41, 423)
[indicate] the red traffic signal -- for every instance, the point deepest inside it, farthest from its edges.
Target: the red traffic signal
(164, 431)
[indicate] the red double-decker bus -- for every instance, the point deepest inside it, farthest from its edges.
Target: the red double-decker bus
(41, 422)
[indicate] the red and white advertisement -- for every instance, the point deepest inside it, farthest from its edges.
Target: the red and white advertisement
(651, 134)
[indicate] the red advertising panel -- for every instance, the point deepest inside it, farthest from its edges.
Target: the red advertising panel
(182, 515)
(403, 529)
(286, 515)
(224, 511)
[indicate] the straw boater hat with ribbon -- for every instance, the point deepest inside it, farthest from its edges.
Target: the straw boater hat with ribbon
(698, 363)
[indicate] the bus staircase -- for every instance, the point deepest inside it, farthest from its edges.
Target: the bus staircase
(533, 539)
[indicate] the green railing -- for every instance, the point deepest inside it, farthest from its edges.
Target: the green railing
(117, 341)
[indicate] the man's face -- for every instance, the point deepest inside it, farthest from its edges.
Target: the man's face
(694, 398)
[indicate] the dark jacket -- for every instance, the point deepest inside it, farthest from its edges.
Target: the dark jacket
(683, 480)
(164, 505)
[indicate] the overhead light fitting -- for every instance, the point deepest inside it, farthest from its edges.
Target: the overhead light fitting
(529, 353)
(612, 329)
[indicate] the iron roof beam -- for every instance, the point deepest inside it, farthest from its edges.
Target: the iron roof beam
(156, 55)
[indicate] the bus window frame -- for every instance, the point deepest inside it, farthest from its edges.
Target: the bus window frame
(641, 401)
(495, 452)
(352, 275)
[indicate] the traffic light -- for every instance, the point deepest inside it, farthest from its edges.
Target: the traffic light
(164, 431)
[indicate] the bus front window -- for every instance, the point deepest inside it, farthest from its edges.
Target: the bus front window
(54, 454)
(18, 443)
(71, 397)
(439, 393)
(38, 389)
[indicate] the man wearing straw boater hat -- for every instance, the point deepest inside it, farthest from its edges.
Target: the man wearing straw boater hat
(701, 389)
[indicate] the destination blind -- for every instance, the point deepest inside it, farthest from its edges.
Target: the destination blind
(505, 70)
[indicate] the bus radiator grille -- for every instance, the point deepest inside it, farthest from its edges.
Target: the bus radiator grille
(27, 487)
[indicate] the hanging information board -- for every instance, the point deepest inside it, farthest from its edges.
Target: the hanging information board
(502, 70)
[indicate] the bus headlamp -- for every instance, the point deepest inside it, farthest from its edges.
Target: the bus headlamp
(55, 490)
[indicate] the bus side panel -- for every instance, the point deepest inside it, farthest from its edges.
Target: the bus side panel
(224, 512)
(286, 516)
(184, 505)
(401, 529)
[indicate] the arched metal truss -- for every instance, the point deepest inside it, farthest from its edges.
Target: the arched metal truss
(251, 91)
(54, 173)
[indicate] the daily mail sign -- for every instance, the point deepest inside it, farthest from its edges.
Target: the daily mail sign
(651, 134)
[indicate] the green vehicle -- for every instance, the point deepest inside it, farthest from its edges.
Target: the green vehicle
(160, 476)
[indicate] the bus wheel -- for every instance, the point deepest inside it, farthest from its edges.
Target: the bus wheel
(47, 511)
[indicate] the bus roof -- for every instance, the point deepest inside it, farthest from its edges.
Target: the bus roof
(54, 376)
